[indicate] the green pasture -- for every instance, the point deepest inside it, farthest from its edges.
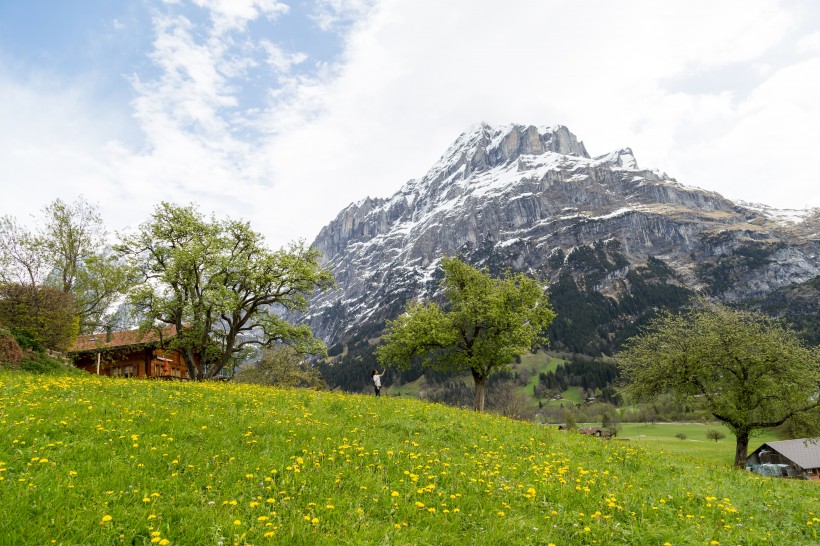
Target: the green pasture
(662, 436)
(100, 461)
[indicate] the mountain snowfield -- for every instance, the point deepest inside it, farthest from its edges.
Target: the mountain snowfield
(529, 197)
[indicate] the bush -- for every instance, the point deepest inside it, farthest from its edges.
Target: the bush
(281, 366)
(42, 364)
(714, 435)
(505, 399)
(39, 316)
(10, 352)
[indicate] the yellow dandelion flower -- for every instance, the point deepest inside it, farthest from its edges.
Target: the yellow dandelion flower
(106, 518)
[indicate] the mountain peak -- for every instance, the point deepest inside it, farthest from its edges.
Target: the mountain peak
(483, 146)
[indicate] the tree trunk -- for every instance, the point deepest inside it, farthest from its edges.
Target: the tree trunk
(480, 390)
(741, 448)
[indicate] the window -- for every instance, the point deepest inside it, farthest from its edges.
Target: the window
(128, 371)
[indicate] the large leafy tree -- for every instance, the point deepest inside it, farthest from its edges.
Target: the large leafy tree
(67, 251)
(220, 286)
(484, 323)
(749, 371)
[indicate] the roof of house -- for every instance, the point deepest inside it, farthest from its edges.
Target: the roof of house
(125, 338)
(802, 451)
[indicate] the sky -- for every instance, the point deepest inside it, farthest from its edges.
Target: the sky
(283, 112)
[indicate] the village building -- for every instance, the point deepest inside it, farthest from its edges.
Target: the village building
(130, 353)
(788, 458)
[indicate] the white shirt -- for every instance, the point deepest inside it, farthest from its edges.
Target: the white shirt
(377, 380)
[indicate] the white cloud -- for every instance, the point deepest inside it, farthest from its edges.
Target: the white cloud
(415, 74)
(228, 15)
(411, 77)
(329, 14)
(280, 59)
(809, 43)
(765, 150)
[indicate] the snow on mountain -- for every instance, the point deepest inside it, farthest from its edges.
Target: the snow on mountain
(520, 193)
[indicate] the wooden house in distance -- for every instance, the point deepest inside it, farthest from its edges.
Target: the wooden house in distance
(129, 353)
(788, 458)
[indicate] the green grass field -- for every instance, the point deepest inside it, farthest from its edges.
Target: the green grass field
(662, 436)
(90, 460)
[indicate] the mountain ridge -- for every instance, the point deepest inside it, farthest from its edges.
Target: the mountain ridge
(518, 196)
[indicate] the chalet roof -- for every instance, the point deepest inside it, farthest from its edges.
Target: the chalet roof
(802, 451)
(124, 338)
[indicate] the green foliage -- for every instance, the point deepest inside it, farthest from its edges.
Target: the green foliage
(486, 323)
(715, 435)
(681, 436)
(67, 252)
(217, 282)
(38, 316)
(589, 322)
(749, 371)
(569, 420)
(281, 366)
(588, 373)
(39, 363)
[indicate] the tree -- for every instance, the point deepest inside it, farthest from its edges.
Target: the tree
(749, 371)
(485, 323)
(680, 436)
(69, 252)
(716, 435)
(223, 289)
(281, 366)
(570, 423)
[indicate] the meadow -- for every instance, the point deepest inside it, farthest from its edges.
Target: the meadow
(662, 436)
(92, 460)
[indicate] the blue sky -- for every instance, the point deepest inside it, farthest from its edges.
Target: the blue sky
(284, 112)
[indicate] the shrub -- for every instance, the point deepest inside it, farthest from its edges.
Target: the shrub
(42, 364)
(281, 366)
(38, 316)
(714, 435)
(10, 352)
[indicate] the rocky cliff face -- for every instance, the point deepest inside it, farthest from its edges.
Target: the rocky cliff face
(533, 199)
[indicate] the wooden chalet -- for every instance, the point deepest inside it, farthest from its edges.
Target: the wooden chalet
(129, 353)
(788, 458)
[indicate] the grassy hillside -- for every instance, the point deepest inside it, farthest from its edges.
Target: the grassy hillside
(87, 460)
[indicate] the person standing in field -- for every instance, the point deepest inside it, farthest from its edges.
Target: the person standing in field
(377, 381)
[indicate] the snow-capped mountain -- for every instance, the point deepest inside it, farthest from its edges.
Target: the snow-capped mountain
(531, 198)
